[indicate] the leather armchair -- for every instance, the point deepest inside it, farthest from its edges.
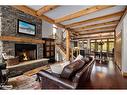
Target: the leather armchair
(50, 80)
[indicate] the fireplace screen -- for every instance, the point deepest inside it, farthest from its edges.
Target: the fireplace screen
(26, 52)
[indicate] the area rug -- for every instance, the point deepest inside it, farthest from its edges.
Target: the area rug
(24, 82)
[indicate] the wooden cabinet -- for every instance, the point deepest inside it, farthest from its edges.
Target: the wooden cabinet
(49, 49)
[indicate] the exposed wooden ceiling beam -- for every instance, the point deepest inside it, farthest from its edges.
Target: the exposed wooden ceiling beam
(97, 25)
(32, 12)
(96, 38)
(90, 33)
(99, 29)
(82, 13)
(118, 14)
(26, 9)
(107, 36)
(46, 9)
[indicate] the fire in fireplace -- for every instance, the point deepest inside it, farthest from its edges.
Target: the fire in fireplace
(26, 52)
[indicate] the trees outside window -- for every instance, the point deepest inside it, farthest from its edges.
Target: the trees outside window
(107, 46)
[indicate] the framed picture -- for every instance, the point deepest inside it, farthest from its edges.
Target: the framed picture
(26, 28)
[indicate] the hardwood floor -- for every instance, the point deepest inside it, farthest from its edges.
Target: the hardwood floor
(106, 76)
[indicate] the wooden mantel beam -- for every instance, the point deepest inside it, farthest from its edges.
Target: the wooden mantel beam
(118, 14)
(21, 39)
(82, 13)
(45, 9)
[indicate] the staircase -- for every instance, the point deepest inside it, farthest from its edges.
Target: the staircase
(61, 46)
(62, 50)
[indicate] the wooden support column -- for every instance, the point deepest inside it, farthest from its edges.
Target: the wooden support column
(108, 46)
(96, 46)
(67, 45)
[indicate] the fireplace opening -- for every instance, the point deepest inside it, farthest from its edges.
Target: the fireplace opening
(26, 52)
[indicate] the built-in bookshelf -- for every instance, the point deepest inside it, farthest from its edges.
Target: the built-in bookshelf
(49, 49)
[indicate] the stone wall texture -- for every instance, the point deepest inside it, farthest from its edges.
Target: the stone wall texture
(8, 27)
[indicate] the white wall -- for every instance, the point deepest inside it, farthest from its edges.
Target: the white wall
(47, 29)
(122, 27)
(124, 45)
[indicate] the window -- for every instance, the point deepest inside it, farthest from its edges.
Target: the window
(104, 48)
(92, 45)
(85, 44)
(98, 47)
(54, 30)
(111, 46)
(107, 46)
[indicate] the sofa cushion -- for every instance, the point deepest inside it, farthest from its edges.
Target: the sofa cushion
(79, 57)
(87, 59)
(58, 67)
(70, 70)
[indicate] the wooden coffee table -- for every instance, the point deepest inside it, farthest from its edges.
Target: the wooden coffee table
(35, 71)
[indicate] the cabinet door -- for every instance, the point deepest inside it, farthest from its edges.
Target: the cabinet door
(52, 47)
(47, 43)
(47, 54)
(52, 53)
(48, 48)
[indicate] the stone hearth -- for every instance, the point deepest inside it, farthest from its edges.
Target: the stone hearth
(23, 67)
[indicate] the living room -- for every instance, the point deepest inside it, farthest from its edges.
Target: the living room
(63, 47)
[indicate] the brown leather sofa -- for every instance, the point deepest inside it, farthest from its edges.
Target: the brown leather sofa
(72, 76)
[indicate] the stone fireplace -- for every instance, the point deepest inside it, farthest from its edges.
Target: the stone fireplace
(26, 47)
(26, 52)
(8, 27)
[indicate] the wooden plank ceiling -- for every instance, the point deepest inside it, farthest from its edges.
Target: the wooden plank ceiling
(82, 21)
